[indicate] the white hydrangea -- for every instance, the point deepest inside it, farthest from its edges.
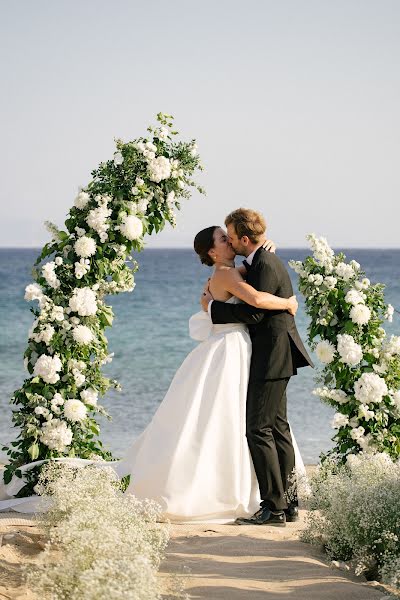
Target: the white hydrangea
(85, 246)
(48, 272)
(159, 168)
(339, 420)
(47, 367)
(82, 334)
(83, 301)
(345, 272)
(360, 314)
(354, 297)
(82, 267)
(350, 352)
(131, 227)
(370, 388)
(75, 410)
(81, 200)
(56, 435)
(89, 396)
(325, 351)
(33, 291)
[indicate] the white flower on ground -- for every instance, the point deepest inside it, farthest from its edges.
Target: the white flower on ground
(56, 435)
(131, 227)
(82, 334)
(47, 367)
(118, 158)
(370, 388)
(81, 200)
(360, 314)
(33, 291)
(344, 271)
(339, 420)
(85, 246)
(83, 301)
(75, 410)
(350, 352)
(89, 396)
(159, 168)
(354, 297)
(325, 351)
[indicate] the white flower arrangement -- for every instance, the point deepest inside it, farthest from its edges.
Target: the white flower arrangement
(360, 364)
(131, 195)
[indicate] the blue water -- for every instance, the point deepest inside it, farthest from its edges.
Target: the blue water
(150, 340)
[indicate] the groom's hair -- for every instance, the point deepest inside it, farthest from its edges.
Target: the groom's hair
(247, 222)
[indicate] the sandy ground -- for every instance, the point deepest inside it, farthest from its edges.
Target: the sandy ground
(225, 562)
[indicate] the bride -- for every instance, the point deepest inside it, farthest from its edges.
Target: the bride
(193, 458)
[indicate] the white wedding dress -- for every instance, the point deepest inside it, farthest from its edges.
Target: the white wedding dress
(193, 458)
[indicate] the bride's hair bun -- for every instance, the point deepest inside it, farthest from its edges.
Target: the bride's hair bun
(203, 242)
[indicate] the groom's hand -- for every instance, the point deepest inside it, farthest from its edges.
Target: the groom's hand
(270, 246)
(205, 300)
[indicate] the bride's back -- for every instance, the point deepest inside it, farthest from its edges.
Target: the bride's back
(217, 284)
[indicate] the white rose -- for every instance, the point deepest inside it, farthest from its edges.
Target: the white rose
(82, 334)
(33, 291)
(360, 314)
(159, 168)
(58, 260)
(75, 410)
(85, 246)
(56, 435)
(357, 433)
(89, 396)
(325, 351)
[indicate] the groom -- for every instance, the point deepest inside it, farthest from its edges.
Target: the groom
(276, 355)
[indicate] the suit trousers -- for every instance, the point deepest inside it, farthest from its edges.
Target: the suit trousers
(269, 439)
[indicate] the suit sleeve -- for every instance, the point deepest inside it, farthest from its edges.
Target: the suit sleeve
(265, 280)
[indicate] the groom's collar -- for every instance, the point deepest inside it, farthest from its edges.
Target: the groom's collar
(250, 257)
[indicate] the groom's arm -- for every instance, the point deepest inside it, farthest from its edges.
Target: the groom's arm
(264, 280)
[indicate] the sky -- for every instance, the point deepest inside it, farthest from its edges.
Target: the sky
(294, 105)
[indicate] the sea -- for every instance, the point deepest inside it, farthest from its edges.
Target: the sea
(150, 340)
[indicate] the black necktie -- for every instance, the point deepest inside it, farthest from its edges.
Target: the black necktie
(246, 264)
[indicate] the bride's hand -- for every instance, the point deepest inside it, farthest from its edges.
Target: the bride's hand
(270, 246)
(293, 305)
(206, 288)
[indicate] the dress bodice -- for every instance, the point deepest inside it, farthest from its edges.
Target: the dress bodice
(201, 327)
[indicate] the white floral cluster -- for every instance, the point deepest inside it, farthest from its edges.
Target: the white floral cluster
(346, 312)
(109, 544)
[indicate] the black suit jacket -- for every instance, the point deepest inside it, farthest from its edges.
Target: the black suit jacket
(277, 347)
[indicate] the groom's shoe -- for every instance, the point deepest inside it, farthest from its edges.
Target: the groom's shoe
(265, 516)
(292, 513)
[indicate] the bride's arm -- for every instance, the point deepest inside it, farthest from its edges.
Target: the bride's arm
(235, 284)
